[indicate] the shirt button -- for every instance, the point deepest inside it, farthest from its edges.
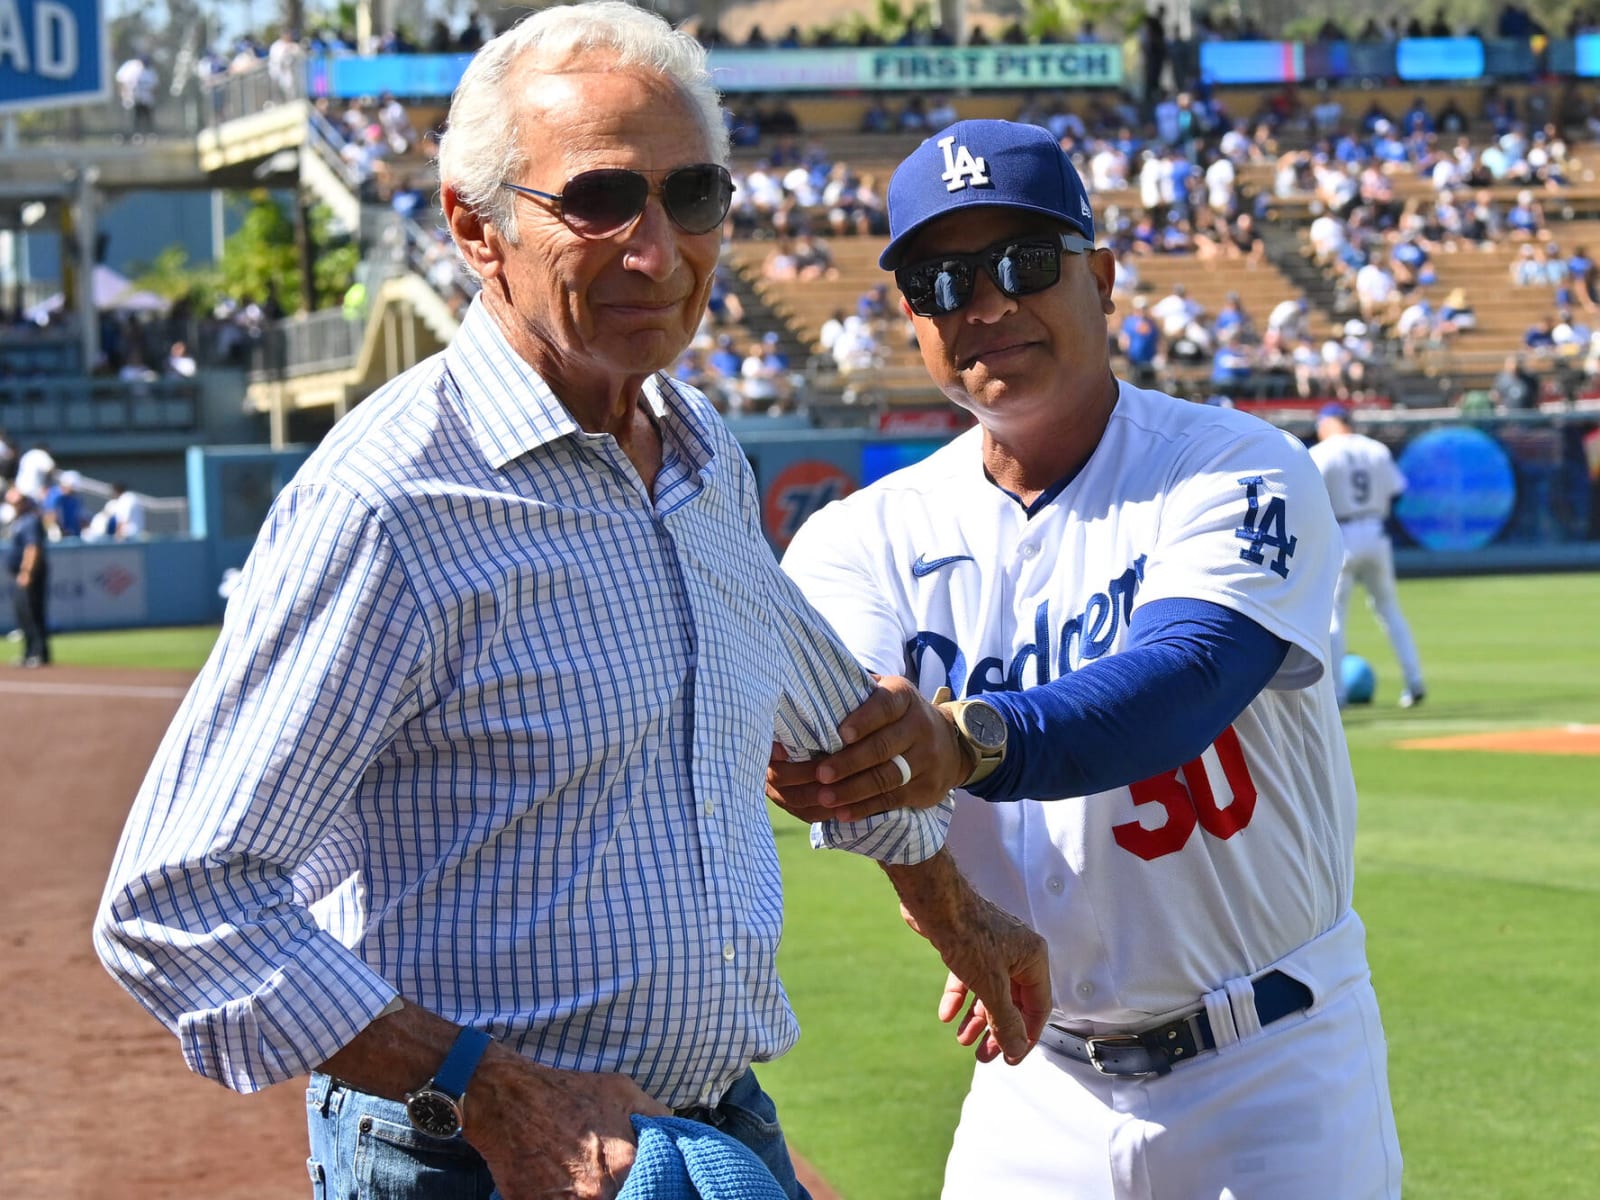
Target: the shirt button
(711, 807)
(1086, 989)
(1055, 884)
(727, 951)
(1030, 550)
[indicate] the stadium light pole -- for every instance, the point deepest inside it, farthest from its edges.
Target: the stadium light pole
(85, 227)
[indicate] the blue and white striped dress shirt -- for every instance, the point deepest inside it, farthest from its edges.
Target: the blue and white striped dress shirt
(486, 726)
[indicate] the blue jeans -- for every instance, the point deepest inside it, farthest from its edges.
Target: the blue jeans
(365, 1148)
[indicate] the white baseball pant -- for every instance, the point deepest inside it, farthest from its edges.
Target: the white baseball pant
(1369, 561)
(1297, 1109)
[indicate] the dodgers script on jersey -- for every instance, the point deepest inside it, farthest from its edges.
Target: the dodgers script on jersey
(1360, 474)
(1210, 504)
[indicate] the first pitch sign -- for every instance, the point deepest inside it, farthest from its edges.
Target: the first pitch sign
(52, 52)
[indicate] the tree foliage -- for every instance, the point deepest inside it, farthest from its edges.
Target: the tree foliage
(259, 261)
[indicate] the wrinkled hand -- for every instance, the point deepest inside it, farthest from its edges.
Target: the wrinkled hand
(862, 780)
(993, 957)
(554, 1135)
(977, 1023)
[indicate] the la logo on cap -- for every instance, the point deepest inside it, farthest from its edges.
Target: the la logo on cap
(960, 168)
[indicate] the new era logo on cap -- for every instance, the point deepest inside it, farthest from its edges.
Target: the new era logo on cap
(974, 164)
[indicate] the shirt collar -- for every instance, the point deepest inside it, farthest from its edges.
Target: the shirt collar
(512, 410)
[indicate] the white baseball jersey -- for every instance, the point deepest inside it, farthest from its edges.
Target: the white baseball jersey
(1361, 476)
(1150, 895)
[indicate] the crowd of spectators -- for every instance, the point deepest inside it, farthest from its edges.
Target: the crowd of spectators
(740, 373)
(1180, 151)
(1388, 193)
(60, 494)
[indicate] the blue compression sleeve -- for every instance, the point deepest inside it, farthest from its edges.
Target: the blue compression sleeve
(1190, 668)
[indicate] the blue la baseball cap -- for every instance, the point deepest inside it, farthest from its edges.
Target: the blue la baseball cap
(983, 164)
(1335, 411)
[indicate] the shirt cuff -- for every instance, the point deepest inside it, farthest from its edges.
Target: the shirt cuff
(300, 1017)
(903, 837)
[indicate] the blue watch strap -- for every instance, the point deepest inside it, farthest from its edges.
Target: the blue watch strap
(454, 1073)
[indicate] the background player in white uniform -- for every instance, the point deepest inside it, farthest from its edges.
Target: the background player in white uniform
(1139, 589)
(1363, 481)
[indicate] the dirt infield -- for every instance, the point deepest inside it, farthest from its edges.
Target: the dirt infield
(93, 1091)
(1562, 739)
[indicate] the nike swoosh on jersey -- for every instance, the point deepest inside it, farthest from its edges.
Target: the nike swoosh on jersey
(926, 566)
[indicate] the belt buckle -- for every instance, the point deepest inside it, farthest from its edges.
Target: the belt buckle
(1092, 1046)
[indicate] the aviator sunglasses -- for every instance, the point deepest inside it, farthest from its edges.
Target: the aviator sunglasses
(597, 204)
(937, 286)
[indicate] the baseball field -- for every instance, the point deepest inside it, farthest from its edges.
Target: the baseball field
(1478, 875)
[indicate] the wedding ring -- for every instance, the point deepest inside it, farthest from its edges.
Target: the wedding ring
(899, 760)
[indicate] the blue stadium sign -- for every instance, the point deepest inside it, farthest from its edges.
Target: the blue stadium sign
(52, 52)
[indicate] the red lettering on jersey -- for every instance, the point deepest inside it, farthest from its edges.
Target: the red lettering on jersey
(1191, 801)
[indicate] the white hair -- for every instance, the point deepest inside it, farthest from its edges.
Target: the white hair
(482, 146)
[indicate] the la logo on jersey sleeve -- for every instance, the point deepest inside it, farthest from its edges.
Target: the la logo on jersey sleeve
(1266, 527)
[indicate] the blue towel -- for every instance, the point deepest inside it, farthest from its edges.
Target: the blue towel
(681, 1159)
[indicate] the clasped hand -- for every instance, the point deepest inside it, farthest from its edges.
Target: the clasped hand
(863, 779)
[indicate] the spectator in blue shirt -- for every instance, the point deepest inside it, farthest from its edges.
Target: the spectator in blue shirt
(63, 506)
(1140, 342)
(1386, 147)
(1232, 319)
(1540, 335)
(1350, 149)
(1412, 264)
(1231, 364)
(1417, 118)
(725, 360)
(1581, 278)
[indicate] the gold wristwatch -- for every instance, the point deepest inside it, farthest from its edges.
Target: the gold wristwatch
(982, 730)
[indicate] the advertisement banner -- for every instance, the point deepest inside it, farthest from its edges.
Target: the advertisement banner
(889, 68)
(93, 587)
(52, 53)
(1252, 62)
(869, 69)
(1438, 58)
(1586, 55)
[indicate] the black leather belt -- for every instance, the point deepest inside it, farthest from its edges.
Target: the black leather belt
(1156, 1050)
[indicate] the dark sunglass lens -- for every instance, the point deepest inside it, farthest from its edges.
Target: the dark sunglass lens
(597, 203)
(953, 288)
(937, 287)
(1027, 267)
(697, 198)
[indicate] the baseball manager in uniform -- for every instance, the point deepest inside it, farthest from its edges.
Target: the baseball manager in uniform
(1128, 598)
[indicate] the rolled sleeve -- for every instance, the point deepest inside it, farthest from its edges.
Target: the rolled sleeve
(823, 685)
(206, 918)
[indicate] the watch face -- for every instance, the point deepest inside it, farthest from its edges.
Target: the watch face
(434, 1113)
(984, 726)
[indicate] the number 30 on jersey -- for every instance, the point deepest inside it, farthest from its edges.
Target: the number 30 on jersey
(1189, 799)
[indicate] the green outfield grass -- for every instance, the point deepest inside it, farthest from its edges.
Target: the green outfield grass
(1478, 875)
(178, 649)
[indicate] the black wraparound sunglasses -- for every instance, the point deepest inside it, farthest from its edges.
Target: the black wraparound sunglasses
(943, 284)
(598, 204)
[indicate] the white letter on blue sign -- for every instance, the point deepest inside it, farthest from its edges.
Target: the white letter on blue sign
(55, 39)
(12, 43)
